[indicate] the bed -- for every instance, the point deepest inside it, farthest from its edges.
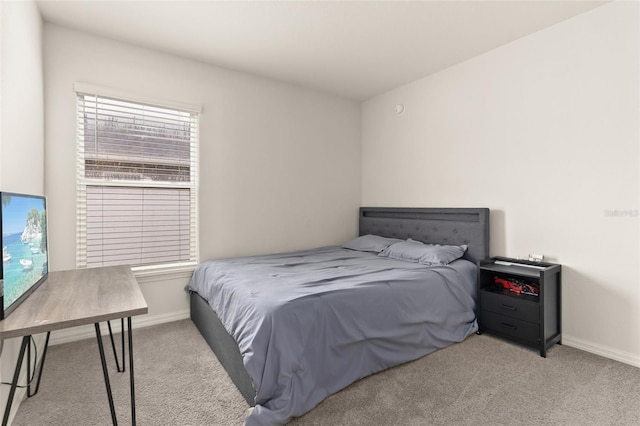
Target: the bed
(335, 315)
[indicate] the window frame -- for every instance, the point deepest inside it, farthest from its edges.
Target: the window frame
(177, 268)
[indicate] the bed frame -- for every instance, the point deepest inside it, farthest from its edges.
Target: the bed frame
(453, 226)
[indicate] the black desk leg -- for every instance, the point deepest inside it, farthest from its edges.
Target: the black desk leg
(44, 355)
(106, 375)
(113, 345)
(133, 392)
(14, 382)
(122, 336)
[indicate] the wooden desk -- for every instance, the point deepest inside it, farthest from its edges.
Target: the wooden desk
(74, 298)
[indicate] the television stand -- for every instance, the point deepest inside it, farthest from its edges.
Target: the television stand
(73, 298)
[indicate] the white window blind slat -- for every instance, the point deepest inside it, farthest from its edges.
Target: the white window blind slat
(107, 92)
(135, 232)
(137, 183)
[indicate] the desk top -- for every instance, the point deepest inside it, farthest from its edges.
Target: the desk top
(77, 297)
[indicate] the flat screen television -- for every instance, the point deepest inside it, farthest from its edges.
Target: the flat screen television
(25, 257)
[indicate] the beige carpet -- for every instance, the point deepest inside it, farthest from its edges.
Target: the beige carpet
(482, 381)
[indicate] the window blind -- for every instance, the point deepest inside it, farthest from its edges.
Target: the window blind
(137, 182)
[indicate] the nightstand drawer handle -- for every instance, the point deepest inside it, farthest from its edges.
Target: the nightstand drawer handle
(513, 327)
(511, 308)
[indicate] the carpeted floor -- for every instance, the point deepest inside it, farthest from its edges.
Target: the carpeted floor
(481, 381)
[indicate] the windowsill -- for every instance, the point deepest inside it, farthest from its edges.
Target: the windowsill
(166, 271)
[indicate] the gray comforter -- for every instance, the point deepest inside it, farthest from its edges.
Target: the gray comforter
(310, 323)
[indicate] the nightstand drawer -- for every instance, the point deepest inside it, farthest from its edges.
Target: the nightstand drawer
(521, 330)
(510, 306)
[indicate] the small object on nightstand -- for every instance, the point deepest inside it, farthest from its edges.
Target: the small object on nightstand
(520, 300)
(536, 257)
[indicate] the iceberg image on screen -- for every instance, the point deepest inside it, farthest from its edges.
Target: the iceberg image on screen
(24, 246)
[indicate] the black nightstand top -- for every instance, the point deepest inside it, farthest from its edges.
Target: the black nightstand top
(522, 267)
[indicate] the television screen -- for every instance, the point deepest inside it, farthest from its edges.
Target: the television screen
(24, 247)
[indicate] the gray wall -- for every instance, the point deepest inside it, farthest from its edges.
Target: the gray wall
(545, 132)
(279, 164)
(21, 127)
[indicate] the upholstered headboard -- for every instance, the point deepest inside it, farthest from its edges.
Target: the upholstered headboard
(453, 226)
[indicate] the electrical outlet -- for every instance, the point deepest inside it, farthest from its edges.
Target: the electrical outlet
(536, 257)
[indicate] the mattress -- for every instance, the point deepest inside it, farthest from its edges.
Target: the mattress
(312, 322)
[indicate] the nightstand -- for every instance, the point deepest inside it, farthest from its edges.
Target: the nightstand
(509, 307)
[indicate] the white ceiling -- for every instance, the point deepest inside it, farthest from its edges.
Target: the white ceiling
(354, 49)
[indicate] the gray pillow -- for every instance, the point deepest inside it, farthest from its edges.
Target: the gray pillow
(442, 255)
(427, 254)
(409, 250)
(372, 243)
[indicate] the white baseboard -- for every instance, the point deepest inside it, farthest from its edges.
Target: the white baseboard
(88, 331)
(605, 351)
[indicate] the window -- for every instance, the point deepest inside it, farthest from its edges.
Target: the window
(136, 181)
